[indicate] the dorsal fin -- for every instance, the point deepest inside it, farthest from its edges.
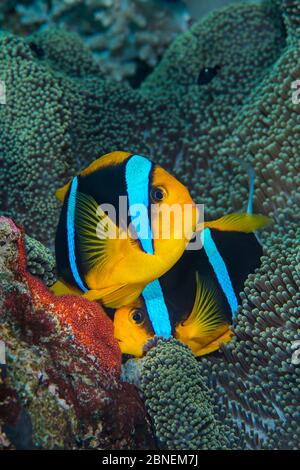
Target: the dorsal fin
(113, 158)
(239, 222)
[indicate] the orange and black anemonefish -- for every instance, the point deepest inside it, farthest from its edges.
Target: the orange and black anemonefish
(196, 301)
(97, 256)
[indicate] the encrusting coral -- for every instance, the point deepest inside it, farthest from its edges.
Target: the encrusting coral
(61, 384)
(224, 94)
(177, 399)
(40, 261)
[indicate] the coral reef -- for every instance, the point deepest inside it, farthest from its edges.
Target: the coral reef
(222, 94)
(179, 402)
(62, 387)
(126, 38)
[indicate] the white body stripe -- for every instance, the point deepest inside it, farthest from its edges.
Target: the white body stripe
(219, 267)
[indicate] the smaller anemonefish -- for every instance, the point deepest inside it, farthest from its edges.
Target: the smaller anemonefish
(113, 260)
(196, 301)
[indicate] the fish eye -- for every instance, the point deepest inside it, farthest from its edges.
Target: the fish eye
(157, 194)
(137, 316)
(207, 74)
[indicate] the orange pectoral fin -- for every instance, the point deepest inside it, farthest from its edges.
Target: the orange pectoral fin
(115, 296)
(214, 345)
(61, 288)
(206, 326)
(92, 294)
(239, 222)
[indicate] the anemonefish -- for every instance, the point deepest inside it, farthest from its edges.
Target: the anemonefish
(113, 260)
(196, 301)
